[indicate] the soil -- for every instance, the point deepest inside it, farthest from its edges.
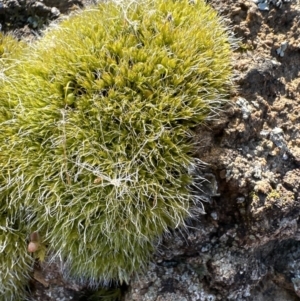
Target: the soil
(252, 151)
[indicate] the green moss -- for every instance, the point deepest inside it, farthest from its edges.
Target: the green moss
(96, 146)
(274, 194)
(10, 48)
(10, 52)
(244, 47)
(254, 197)
(15, 262)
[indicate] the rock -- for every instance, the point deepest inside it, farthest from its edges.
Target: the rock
(15, 13)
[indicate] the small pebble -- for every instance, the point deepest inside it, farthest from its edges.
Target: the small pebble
(55, 11)
(32, 247)
(214, 215)
(240, 200)
(280, 51)
(263, 6)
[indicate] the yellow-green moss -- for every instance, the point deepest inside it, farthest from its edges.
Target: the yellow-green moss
(96, 146)
(274, 194)
(10, 48)
(15, 262)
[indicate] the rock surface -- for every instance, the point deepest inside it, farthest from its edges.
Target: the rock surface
(247, 246)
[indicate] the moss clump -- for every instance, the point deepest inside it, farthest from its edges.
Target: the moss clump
(96, 147)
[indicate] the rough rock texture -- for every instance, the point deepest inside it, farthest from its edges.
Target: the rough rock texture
(28, 18)
(247, 246)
